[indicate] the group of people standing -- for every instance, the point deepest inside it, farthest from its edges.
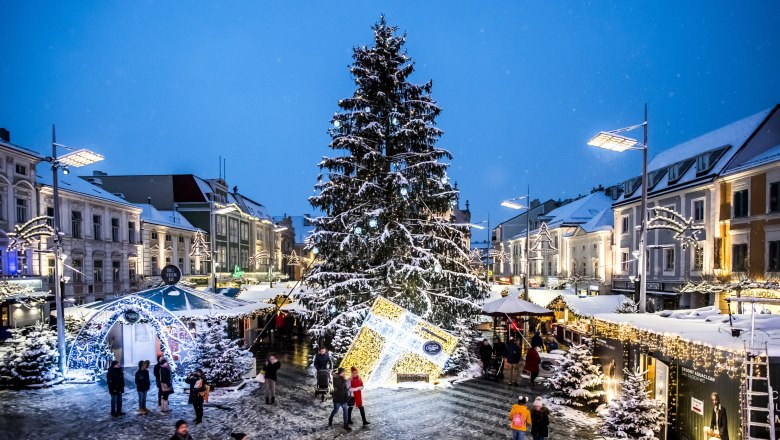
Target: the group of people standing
(510, 354)
(538, 418)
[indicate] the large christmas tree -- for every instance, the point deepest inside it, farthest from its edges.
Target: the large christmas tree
(634, 415)
(577, 381)
(387, 226)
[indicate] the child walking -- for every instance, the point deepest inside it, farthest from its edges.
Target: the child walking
(520, 418)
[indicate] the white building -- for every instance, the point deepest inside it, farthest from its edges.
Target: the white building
(167, 239)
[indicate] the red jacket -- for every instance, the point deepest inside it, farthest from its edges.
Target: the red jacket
(532, 361)
(356, 382)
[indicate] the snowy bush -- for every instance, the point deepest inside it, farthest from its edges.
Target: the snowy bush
(33, 357)
(220, 358)
(633, 415)
(577, 381)
(627, 306)
(465, 353)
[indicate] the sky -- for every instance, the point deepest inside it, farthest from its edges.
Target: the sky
(168, 87)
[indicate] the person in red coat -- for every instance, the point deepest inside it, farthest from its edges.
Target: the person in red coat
(532, 361)
(356, 391)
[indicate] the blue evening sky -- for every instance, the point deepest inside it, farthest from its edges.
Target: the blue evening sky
(161, 87)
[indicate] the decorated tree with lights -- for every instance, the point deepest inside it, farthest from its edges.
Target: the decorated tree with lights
(633, 415)
(386, 226)
(32, 358)
(577, 381)
(220, 358)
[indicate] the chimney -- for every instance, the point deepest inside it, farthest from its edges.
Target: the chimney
(5, 135)
(149, 200)
(99, 173)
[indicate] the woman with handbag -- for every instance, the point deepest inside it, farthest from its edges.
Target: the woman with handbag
(166, 384)
(197, 388)
(356, 396)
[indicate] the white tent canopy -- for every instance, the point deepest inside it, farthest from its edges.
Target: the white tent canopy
(513, 306)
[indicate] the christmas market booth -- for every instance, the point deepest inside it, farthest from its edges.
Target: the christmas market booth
(157, 321)
(689, 355)
(574, 313)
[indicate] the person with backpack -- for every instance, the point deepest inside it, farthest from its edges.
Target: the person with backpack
(115, 378)
(513, 358)
(340, 398)
(532, 363)
(540, 420)
(142, 385)
(520, 418)
(197, 385)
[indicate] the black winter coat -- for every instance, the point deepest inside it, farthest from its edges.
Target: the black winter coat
(271, 369)
(499, 349)
(323, 361)
(540, 421)
(513, 355)
(340, 389)
(193, 379)
(116, 381)
(156, 371)
(165, 377)
(485, 351)
(721, 422)
(142, 381)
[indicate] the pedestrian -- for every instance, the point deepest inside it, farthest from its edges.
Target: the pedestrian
(513, 358)
(279, 323)
(239, 436)
(536, 340)
(540, 420)
(520, 418)
(197, 383)
(142, 385)
(356, 390)
(182, 431)
(269, 387)
(340, 398)
(166, 384)
(499, 351)
(532, 361)
(115, 378)
(552, 344)
(485, 354)
(322, 360)
(156, 372)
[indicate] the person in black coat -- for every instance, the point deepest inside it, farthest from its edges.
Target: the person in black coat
(536, 340)
(322, 360)
(540, 420)
(115, 378)
(197, 385)
(499, 350)
(513, 358)
(166, 383)
(156, 372)
(142, 385)
(485, 354)
(269, 386)
(340, 398)
(719, 419)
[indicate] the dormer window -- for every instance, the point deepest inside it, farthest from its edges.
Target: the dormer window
(703, 163)
(654, 177)
(631, 185)
(706, 161)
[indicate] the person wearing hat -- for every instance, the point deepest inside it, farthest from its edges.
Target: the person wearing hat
(115, 379)
(182, 431)
(340, 397)
(513, 358)
(540, 420)
(520, 418)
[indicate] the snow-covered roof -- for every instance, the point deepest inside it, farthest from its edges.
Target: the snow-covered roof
(710, 329)
(74, 184)
(603, 221)
(578, 212)
(20, 149)
(251, 207)
(768, 156)
(171, 219)
(733, 135)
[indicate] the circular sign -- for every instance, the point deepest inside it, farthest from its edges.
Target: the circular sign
(131, 316)
(170, 274)
(432, 348)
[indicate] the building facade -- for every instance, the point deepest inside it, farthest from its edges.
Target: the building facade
(168, 239)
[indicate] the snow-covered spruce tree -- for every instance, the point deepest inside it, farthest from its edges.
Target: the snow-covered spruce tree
(627, 306)
(221, 359)
(577, 381)
(386, 226)
(633, 415)
(33, 357)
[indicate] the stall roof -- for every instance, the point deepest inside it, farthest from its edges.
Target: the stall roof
(266, 293)
(512, 306)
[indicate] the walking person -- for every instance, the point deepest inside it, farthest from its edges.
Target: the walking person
(532, 362)
(115, 378)
(269, 387)
(540, 420)
(322, 360)
(513, 358)
(356, 389)
(142, 385)
(166, 384)
(520, 418)
(182, 431)
(485, 354)
(197, 386)
(156, 372)
(340, 398)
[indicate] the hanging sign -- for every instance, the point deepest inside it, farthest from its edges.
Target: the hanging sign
(697, 406)
(170, 274)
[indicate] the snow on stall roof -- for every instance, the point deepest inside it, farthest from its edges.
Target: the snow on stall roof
(172, 219)
(583, 306)
(703, 327)
(77, 185)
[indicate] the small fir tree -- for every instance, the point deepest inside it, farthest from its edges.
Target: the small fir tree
(33, 358)
(220, 358)
(577, 381)
(633, 415)
(627, 306)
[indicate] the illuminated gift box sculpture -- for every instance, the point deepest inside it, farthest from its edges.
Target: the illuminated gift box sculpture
(395, 345)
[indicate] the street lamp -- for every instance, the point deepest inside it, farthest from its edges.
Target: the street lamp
(512, 204)
(614, 141)
(74, 158)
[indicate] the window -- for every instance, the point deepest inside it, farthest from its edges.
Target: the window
(2, 206)
(154, 236)
(626, 226)
(131, 270)
(21, 261)
(741, 203)
(115, 268)
(167, 237)
(181, 263)
(131, 232)
(21, 169)
(75, 224)
(233, 259)
(96, 227)
(716, 251)
(624, 261)
(739, 257)
(774, 195)
(167, 261)
(21, 210)
(233, 230)
(50, 267)
(181, 239)
(668, 259)
(50, 215)
(115, 230)
(703, 163)
(774, 256)
(244, 231)
(244, 262)
(698, 259)
(155, 268)
(221, 229)
(77, 271)
(698, 210)
(97, 271)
